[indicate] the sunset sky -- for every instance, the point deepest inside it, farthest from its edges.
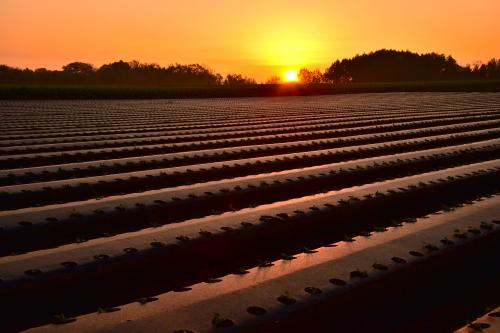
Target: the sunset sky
(257, 38)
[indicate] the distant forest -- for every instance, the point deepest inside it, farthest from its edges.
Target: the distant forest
(393, 66)
(379, 66)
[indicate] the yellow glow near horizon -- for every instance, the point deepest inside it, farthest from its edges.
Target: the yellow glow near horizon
(291, 75)
(292, 43)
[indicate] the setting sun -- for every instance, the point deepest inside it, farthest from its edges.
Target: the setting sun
(291, 75)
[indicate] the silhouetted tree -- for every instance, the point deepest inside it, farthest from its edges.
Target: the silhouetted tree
(10, 75)
(275, 79)
(78, 68)
(116, 72)
(237, 80)
(338, 72)
(311, 77)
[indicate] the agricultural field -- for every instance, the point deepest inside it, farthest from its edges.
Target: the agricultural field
(120, 91)
(343, 213)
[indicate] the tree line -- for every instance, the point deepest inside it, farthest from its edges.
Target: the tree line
(379, 66)
(392, 65)
(123, 73)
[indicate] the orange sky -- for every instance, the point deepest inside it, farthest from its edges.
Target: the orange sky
(258, 38)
